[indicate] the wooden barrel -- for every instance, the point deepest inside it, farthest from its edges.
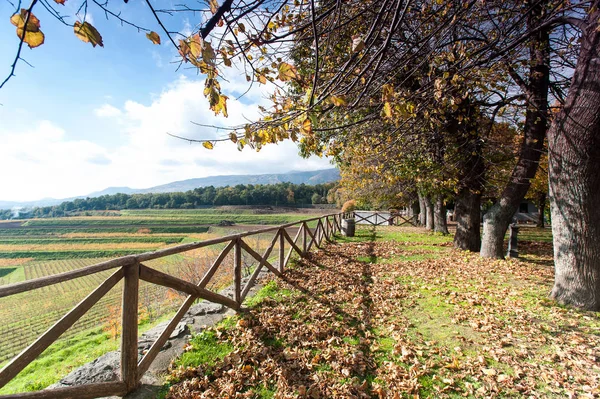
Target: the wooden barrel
(348, 227)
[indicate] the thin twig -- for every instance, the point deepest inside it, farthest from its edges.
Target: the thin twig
(21, 41)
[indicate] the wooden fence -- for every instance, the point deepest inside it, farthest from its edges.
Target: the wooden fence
(377, 218)
(132, 269)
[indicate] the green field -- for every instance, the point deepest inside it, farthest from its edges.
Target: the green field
(42, 247)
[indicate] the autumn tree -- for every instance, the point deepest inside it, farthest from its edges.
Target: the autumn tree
(364, 63)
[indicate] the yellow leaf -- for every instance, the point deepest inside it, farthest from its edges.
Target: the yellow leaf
(306, 127)
(214, 6)
(338, 101)
(220, 106)
(387, 92)
(195, 43)
(18, 20)
(454, 365)
(286, 72)
(87, 33)
(226, 61)
(33, 39)
(30, 34)
(387, 109)
(247, 368)
(262, 79)
(208, 145)
(153, 37)
(240, 144)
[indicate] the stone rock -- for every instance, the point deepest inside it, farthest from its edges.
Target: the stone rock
(103, 369)
(204, 307)
(181, 329)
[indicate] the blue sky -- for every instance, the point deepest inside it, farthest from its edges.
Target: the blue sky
(87, 118)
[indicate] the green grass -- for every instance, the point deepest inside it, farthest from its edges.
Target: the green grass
(382, 233)
(205, 219)
(60, 359)
(64, 356)
(59, 230)
(206, 350)
(11, 275)
(56, 255)
(534, 234)
(24, 240)
(264, 393)
(270, 290)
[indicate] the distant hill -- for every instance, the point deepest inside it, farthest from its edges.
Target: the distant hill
(312, 177)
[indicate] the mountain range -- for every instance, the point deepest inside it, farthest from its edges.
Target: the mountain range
(311, 177)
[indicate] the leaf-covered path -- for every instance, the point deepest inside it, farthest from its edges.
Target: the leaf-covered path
(402, 315)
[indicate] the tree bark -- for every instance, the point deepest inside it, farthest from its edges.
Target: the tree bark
(468, 219)
(422, 210)
(499, 216)
(429, 222)
(414, 210)
(574, 162)
(541, 204)
(471, 167)
(439, 215)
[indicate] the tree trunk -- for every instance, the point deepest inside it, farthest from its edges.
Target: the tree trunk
(429, 222)
(574, 162)
(499, 216)
(541, 204)
(463, 126)
(422, 210)
(414, 211)
(468, 219)
(439, 215)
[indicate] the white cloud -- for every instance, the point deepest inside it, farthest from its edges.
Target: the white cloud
(107, 110)
(45, 162)
(41, 162)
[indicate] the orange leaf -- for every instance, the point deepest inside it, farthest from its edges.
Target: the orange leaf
(153, 37)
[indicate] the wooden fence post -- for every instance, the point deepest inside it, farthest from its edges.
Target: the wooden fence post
(304, 234)
(237, 272)
(281, 251)
(129, 335)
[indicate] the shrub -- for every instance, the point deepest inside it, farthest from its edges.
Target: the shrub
(349, 206)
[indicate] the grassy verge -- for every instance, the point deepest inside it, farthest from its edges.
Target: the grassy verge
(66, 355)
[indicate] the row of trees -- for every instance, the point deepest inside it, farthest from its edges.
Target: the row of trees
(421, 95)
(281, 194)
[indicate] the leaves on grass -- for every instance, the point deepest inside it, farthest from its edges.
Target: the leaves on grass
(359, 321)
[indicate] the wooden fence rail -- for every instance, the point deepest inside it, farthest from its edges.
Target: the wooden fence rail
(131, 270)
(376, 218)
